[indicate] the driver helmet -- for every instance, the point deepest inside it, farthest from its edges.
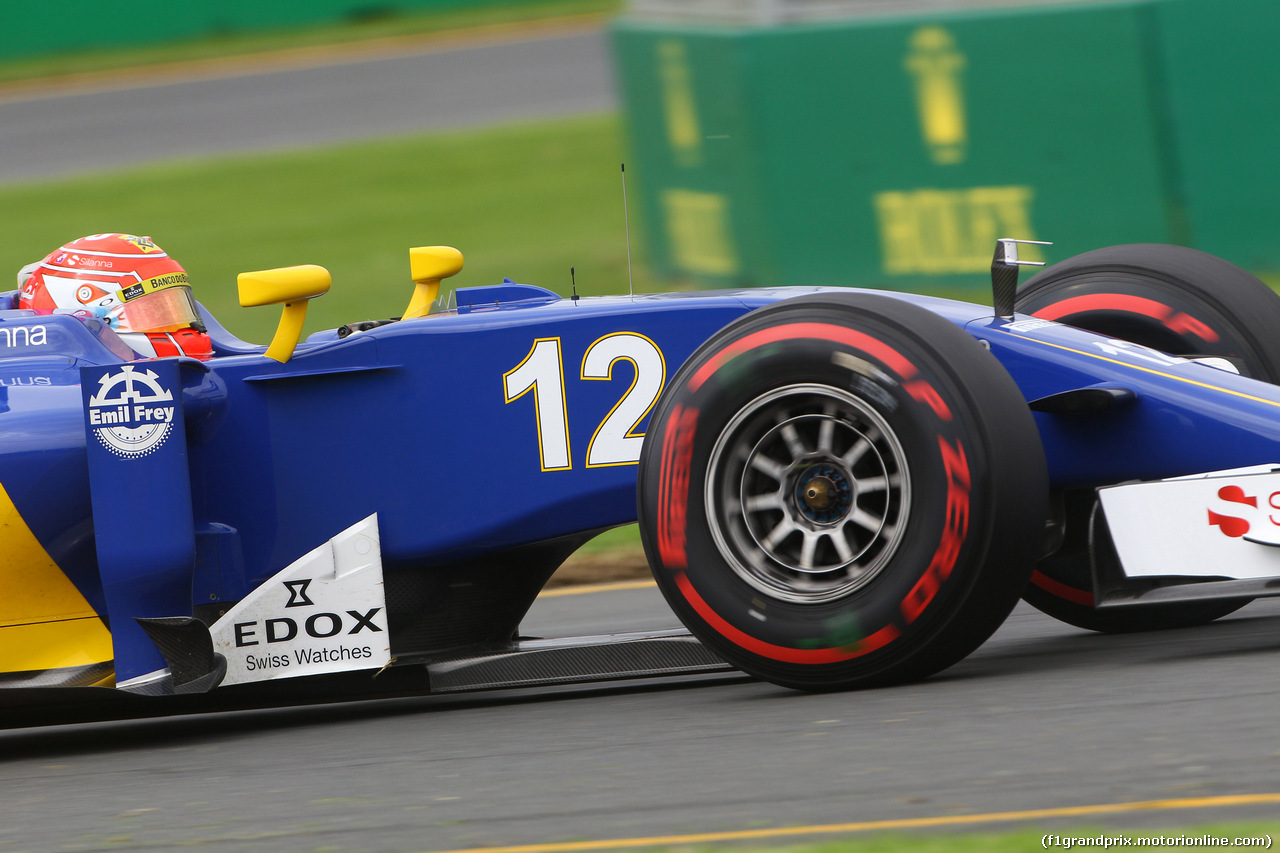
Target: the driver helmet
(128, 282)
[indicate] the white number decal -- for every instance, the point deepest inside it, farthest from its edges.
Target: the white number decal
(615, 441)
(542, 371)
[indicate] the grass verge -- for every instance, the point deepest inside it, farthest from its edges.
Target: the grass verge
(615, 555)
(526, 201)
(1012, 842)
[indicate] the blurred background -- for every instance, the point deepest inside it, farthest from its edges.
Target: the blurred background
(886, 143)
(882, 143)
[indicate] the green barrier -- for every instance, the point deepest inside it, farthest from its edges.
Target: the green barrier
(1221, 68)
(51, 26)
(894, 152)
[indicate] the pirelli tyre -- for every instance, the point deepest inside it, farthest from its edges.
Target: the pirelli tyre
(1179, 301)
(842, 490)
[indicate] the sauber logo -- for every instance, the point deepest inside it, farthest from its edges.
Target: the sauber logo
(1206, 526)
(1252, 523)
(128, 412)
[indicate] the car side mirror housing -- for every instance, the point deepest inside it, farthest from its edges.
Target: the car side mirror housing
(294, 286)
(428, 265)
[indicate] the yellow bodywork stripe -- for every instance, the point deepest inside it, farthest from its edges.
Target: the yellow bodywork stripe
(45, 623)
(54, 645)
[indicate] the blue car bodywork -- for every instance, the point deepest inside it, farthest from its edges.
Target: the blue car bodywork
(489, 441)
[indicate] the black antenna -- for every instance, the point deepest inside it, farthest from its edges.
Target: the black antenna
(574, 283)
(627, 219)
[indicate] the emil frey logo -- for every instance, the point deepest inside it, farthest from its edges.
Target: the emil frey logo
(1257, 524)
(129, 413)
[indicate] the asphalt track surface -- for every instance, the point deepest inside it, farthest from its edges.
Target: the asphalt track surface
(1042, 717)
(303, 100)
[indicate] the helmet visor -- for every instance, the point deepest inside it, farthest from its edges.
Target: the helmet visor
(163, 311)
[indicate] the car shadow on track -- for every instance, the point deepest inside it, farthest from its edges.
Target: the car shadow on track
(76, 733)
(1076, 649)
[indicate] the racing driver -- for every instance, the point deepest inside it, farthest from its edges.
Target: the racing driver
(128, 282)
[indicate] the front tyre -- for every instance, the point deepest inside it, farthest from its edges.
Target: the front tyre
(842, 490)
(1174, 299)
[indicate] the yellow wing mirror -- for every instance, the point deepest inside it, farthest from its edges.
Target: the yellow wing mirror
(294, 286)
(428, 265)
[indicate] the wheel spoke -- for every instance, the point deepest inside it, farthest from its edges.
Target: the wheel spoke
(756, 503)
(842, 545)
(781, 531)
(792, 438)
(825, 433)
(872, 484)
(853, 454)
(866, 520)
(768, 467)
(809, 548)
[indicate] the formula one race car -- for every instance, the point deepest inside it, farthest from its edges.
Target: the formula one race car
(835, 488)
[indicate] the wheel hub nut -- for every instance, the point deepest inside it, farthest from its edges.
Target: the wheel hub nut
(819, 493)
(824, 494)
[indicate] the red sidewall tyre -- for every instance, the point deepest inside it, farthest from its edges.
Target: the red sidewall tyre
(842, 490)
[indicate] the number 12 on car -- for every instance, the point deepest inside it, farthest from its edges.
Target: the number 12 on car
(615, 441)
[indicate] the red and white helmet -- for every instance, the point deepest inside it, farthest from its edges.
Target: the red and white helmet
(127, 281)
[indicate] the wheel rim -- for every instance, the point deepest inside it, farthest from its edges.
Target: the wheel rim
(808, 492)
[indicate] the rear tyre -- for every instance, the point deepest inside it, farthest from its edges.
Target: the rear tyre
(1176, 300)
(842, 490)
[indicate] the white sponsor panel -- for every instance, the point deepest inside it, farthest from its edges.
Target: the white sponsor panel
(326, 612)
(1225, 524)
